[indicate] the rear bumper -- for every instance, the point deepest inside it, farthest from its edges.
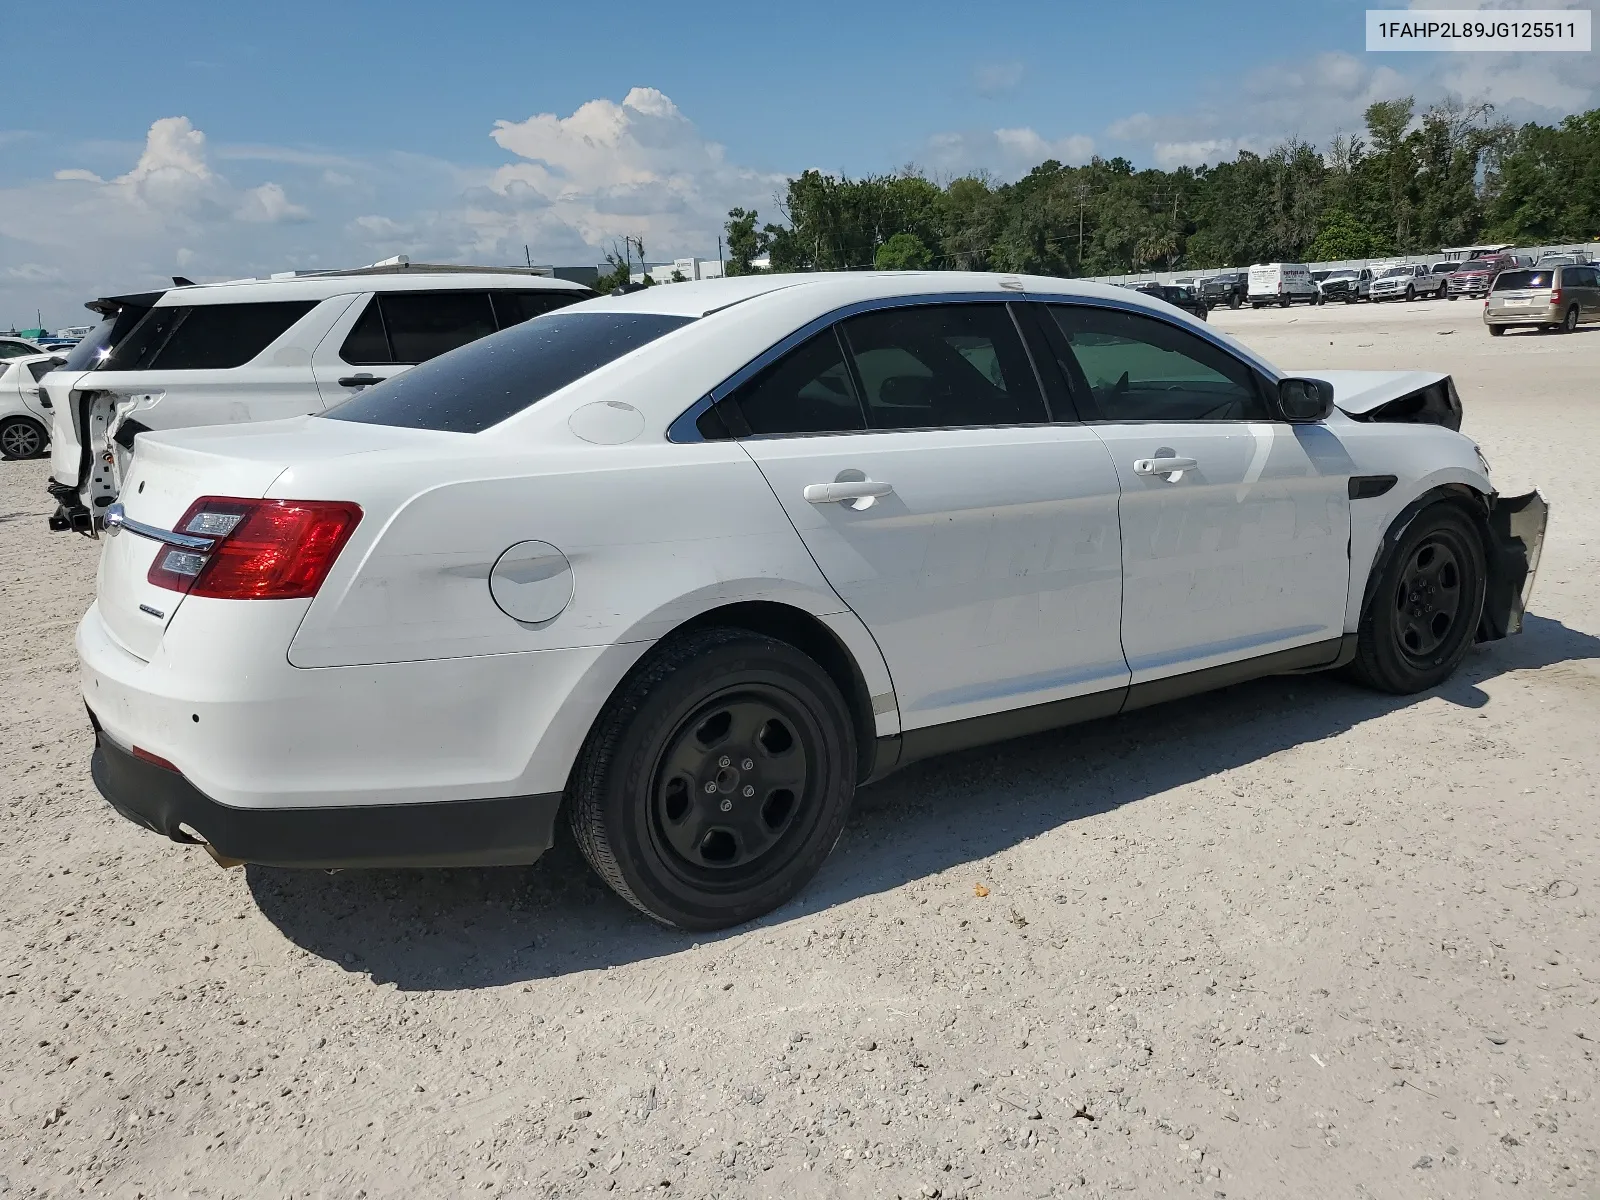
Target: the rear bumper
(504, 831)
(1516, 541)
(1544, 314)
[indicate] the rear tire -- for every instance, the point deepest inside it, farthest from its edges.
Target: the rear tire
(1424, 610)
(716, 781)
(21, 437)
(1497, 331)
(1285, 302)
(1569, 323)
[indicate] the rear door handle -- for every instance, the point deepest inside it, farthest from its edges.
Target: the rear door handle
(362, 380)
(1162, 466)
(832, 493)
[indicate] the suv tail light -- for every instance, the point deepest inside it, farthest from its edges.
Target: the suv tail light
(1555, 295)
(264, 549)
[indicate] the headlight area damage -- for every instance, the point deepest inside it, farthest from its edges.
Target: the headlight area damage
(1516, 539)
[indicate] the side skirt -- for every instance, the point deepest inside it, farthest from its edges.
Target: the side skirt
(892, 753)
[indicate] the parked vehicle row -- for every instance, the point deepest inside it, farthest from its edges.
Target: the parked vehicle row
(684, 567)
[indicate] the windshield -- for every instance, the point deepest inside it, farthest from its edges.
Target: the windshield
(1523, 279)
(1393, 271)
(482, 383)
(1475, 264)
(1341, 275)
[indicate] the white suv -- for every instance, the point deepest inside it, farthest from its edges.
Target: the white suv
(258, 350)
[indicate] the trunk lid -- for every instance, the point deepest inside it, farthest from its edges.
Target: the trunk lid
(172, 470)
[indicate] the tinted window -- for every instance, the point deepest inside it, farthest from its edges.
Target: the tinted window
(496, 377)
(1524, 279)
(943, 366)
(205, 336)
(367, 344)
(42, 368)
(515, 307)
(808, 390)
(16, 349)
(424, 325)
(1139, 369)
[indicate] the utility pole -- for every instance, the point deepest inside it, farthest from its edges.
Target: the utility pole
(722, 268)
(1083, 192)
(527, 254)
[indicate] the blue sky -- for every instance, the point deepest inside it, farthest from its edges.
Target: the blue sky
(217, 140)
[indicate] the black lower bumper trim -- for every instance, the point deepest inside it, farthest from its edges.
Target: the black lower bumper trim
(505, 831)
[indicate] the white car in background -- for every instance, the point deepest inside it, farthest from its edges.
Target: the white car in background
(259, 350)
(24, 409)
(12, 346)
(693, 563)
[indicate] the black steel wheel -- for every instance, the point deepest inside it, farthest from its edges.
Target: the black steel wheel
(717, 780)
(21, 438)
(1423, 610)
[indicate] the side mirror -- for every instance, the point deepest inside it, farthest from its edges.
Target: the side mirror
(1304, 401)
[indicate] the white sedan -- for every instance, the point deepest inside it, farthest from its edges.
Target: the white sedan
(692, 564)
(24, 407)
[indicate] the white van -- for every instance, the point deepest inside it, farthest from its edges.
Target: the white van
(1282, 284)
(259, 350)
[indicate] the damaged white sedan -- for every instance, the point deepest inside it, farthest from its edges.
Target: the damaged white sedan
(689, 565)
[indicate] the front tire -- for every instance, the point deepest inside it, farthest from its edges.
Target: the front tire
(1424, 610)
(21, 438)
(1233, 302)
(1411, 294)
(716, 781)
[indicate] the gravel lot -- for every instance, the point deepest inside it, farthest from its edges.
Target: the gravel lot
(1294, 939)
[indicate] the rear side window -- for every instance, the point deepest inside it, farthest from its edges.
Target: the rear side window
(1523, 279)
(40, 369)
(205, 336)
(497, 377)
(514, 307)
(399, 328)
(808, 390)
(98, 342)
(943, 366)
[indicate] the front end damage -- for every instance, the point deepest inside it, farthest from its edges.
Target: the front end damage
(1516, 528)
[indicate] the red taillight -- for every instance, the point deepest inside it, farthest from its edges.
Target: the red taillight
(1555, 295)
(266, 549)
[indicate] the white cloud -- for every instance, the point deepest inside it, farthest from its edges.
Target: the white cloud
(994, 78)
(1006, 152)
(269, 204)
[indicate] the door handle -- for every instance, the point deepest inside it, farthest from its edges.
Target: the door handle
(1162, 466)
(362, 380)
(858, 489)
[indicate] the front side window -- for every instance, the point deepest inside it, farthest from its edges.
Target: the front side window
(494, 378)
(1136, 368)
(204, 337)
(943, 366)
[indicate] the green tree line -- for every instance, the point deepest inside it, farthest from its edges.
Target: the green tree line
(1408, 184)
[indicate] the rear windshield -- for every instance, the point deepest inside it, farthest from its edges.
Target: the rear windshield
(484, 382)
(97, 343)
(1523, 279)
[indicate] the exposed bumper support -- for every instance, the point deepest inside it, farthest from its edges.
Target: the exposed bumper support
(505, 831)
(71, 513)
(1516, 540)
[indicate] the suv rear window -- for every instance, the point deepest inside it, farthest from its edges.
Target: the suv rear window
(204, 337)
(483, 383)
(1523, 279)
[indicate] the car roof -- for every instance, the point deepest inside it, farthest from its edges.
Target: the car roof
(836, 289)
(320, 287)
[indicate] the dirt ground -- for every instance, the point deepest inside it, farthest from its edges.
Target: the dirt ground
(1293, 939)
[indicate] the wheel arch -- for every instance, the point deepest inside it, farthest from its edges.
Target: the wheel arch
(811, 635)
(1467, 497)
